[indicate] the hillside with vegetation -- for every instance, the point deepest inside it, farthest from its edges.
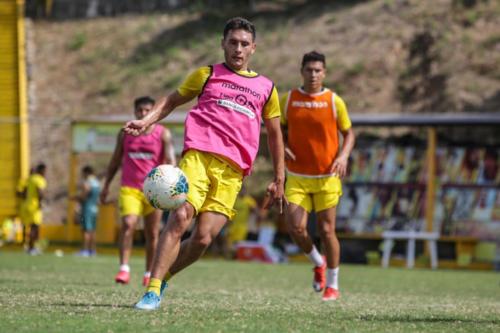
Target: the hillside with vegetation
(383, 56)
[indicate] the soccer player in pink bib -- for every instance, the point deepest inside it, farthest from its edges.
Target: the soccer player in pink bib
(137, 155)
(220, 144)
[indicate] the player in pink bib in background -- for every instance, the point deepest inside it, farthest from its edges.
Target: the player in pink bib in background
(137, 155)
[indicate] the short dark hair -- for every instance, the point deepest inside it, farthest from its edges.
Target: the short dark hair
(313, 56)
(239, 23)
(40, 167)
(88, 170)
(143, 100)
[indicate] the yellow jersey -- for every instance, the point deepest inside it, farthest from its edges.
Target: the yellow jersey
(35, 182)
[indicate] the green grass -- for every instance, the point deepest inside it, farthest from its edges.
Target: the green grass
(70, 294)
(78, 40)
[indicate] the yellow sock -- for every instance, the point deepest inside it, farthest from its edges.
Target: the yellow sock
(168, 276)
(154, 286)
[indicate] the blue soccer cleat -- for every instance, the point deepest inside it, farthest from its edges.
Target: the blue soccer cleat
(150, 301)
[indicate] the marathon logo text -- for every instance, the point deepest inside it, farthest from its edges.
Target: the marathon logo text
(310, 105)
(141, 156)
(233, 86)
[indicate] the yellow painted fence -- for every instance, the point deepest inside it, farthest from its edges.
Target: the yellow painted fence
(14, 149)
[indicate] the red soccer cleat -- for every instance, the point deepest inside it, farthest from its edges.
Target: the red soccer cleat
(319, 277)
(145, 281)
(331, 294)
(122, 277)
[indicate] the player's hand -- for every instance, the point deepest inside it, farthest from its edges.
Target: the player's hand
(289, 155)
(276, 194)
(339, 166)
(104, 194)
(135, 127)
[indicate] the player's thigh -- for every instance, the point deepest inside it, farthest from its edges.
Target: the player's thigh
(152, 221)
(36, 217)
(326, 220)
(296, 217)
(208, 225)
(194, 165)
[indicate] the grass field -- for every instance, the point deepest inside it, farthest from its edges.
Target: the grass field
(70, 294)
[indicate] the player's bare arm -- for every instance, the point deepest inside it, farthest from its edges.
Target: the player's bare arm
(161, 109)
(168, 146)
(114, 165)
(276, 147)
(339, 166)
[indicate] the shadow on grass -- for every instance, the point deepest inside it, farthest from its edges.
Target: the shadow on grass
(434, 319)
(93, 305)
(210, 25)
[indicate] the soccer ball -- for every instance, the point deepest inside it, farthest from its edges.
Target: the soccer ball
(166, 187)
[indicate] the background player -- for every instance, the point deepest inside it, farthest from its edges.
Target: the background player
(137, 155)
(33, 215)
(313, 115)
(89, 199)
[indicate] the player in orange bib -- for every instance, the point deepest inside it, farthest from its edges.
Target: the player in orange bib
(313, 116)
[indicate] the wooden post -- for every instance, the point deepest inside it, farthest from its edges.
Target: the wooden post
(24, 146)
(70, 218)
(430, 196)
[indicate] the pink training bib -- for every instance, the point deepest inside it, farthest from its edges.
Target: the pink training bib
(227, 118)
(141, 154)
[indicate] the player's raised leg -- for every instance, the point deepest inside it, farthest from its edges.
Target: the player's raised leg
(166, 253)
(208, 226)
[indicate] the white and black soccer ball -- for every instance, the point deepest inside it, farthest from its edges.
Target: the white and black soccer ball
(166, 187)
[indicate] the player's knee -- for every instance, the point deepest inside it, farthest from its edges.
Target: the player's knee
(327, 230)
(181, 216)
(297, 230)
(203, 241)
(128, 222)
(178, 226)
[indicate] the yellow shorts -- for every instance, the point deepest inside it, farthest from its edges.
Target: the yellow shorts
(133, 202)
(237, 233)
(313, 193)
(32, 217)
(213, 183)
